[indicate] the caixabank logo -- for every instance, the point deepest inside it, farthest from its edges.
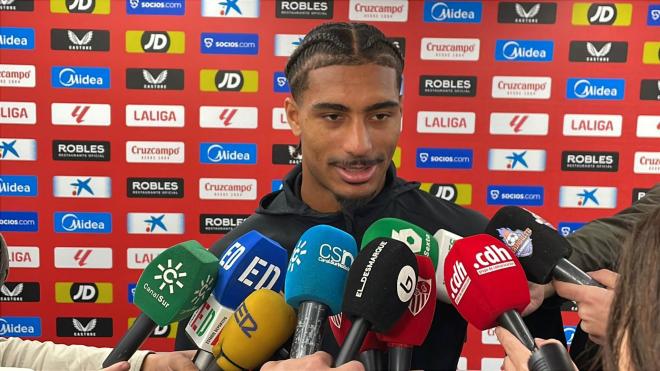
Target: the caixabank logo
(83, 292)
(82, 222)
(19, 221)
(228, 153)
(80, 40)
(598, 51)
(220, 223)
(18, 185)
(165, 42)
(82, 186)
(81, 150)
(244, 81)
(84, 327)
(516, 159)
(650, 89)
(154, 187)
(595, 197)
(230, 8)
(595, 89)
(80, 6)
(602, 14)
(229, 43)
(16, 38)
(154, 78)
(23, 327)
(18, 113)
(155, 223)
(457, 193)
(17, 5)
(589, 161)
(526, 13)
(524, 50)
(452, 11)
(20, 292)
(156, 7)
(307, 9)
(16, 149)
(80, 77)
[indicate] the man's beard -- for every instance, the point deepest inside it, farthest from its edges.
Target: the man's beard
(349, 205)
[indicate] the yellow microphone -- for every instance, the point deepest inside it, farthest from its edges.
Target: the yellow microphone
(258, 328)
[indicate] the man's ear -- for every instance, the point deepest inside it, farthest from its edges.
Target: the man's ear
(292, 115)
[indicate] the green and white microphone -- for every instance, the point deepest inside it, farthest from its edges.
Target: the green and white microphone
(170, 289)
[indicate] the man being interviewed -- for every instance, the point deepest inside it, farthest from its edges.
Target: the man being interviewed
(345, 107)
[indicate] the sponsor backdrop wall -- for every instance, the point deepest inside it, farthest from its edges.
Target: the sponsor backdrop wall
(129, 126)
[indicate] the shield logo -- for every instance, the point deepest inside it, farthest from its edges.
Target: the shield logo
(336, 320)
(421, 296)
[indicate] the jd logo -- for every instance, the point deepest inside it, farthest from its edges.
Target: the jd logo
(229, 80)
(157, 42)
(84, 292)
(245, 320)
(602, 14)
(80, 6)
(444, 191)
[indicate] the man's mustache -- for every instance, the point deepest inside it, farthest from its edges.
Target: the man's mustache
(357, 162)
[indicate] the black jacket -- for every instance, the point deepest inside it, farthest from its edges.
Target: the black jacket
(283, 216)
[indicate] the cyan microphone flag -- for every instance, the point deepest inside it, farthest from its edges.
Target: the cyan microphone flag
(318, 267)
(253, 261)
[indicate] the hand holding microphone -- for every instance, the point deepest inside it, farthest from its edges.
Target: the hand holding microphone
(171, 287)
(371, 348)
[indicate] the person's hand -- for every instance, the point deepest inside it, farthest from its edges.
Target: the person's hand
(316, 361)
(517, 355)
(593, 302)
(537, 293)
(167, 361)
(119, 366)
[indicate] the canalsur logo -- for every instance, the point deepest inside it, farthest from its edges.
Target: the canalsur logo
(80, 77)
(84, 222)
(170, 275)
(298, 251)
(595, 89)
(524, 50)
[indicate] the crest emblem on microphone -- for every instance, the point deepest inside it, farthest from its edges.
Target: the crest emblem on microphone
(421, 296)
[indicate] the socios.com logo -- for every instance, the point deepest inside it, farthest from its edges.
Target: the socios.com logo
(230, 43)
(156, 7)
(653, 18)
(515, 195)
(566, 228)
(445, 158)
(569, 332)
(80, 77)
(19, 221)
(83, 222)
(280, 83)
(595, 89)
(228, 153)
(524, 50)
(452, 11)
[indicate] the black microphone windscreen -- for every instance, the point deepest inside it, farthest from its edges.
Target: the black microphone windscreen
(537, 245)
(381, 281)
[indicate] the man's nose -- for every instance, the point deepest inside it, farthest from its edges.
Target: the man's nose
(358, 140)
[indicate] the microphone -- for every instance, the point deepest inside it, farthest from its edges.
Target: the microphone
(487, 285)
(541, 250)
(371, 348)
(315, 282)
(415, 323)
(419, 240)
(380, 283)
(251, 262)
(446, 241)
(258, 328)
(170, 288)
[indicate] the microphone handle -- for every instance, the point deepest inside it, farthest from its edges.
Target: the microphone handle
(400, 357)
(371, 359)
(131, 341)
(568, 272)
(309, 330)
(512, 321)
(202, 359)
(550, 357)
(353, 341)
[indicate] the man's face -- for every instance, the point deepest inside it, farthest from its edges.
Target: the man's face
(348, 120)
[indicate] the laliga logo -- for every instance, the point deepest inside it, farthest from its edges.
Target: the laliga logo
(424, 156)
